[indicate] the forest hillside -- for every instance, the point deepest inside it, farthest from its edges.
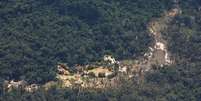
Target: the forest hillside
(36, 35)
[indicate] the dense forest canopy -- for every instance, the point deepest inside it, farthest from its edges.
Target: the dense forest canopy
(185, 32)
(33, 47)
(37, 34)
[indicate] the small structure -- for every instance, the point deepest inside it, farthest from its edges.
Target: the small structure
(32, 88)
(10, 85)
(160, 46)
(123, 69)
(110, 59)
(100, 71)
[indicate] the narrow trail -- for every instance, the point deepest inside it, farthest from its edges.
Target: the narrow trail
(158, 54)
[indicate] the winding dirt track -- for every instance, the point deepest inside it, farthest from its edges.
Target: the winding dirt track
(158, 53)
